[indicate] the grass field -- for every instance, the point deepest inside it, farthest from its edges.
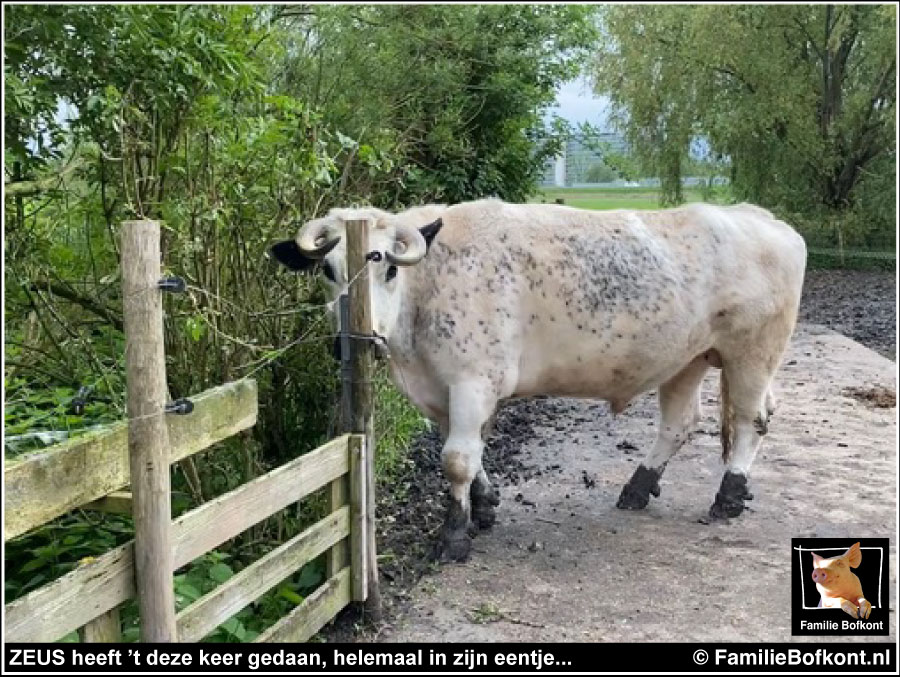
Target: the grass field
(611, 198)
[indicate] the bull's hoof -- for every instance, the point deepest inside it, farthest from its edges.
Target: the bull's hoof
(485, 498)
(484, 494)
(636, 494)
(630, 499)
(455, 548)
(484, 516)
(730, 498)
(724, 510)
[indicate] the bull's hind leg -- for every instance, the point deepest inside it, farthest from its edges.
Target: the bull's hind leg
(746, 407)
(485, 499)
(471, 404)
(679, 412)
(484, 495)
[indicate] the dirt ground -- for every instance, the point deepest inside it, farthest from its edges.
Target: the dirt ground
(563, 564)
(860, 304)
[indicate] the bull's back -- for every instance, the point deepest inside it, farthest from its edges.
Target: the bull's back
(555, 300)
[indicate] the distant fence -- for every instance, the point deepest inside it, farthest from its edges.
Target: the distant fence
(92, 471)
(865, 259)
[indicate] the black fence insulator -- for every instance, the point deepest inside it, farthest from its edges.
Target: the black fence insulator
(374, 256)
(173, 285)
(78, 403)
(181, 407)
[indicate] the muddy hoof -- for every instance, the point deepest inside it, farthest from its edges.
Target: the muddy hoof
(730, 498)
(484, 494)
(484, 516)
(724, 509)
(456, 548)
(630, 499)
(636, 494)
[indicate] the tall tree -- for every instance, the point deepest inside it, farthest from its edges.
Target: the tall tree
(800, 98)
(459, 92)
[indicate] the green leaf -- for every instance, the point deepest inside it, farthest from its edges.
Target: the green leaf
(290, 595)
(220, 572)
(188, 591)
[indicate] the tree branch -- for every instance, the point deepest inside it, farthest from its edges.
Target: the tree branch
(70, 294)
(37, 186)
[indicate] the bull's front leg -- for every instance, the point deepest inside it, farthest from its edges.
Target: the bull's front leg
(483, 495)
(470, 406)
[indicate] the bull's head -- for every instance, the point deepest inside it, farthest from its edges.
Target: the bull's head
(321, 244)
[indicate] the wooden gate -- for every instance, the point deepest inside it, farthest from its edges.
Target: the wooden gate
(93, 470)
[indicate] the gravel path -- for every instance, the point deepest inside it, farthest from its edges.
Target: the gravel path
(560, 464)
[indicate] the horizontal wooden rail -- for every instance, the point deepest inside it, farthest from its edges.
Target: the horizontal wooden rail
(207, 613)
(216, 521)
(117, 503)
(46, 484)
(69, 602)
(315, 611)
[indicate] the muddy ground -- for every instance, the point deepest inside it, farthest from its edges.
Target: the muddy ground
(564, 564)
(859, 304)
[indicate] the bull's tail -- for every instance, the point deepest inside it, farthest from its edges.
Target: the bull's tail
(726, 416)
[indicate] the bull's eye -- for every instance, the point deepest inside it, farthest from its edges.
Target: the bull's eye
(391, 273)
(326, 268)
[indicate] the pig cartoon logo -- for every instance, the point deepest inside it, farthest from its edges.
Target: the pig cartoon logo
(838, 585)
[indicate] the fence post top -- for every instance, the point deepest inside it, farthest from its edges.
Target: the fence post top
(138, 222)
(359, 221)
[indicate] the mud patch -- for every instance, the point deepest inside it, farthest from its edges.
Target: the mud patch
(860, 304)
(877, 397)
(411, 510)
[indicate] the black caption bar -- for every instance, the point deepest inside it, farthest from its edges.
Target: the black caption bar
(693, 657)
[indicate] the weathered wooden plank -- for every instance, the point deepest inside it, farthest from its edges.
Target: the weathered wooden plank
(105, 628)
(315, 611)
(117, 503)
(226, 516)
(358, 541)
(73, 600)
(338, 496)
(210, 611)
(46, 484)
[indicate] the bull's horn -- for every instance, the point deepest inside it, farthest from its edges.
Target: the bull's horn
(317, 239)
(412, 247)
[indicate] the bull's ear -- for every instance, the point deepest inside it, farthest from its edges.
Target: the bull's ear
(430, 231)
(854, 555)
(288, 254)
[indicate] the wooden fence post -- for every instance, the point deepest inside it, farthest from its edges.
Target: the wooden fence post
(105, 628)
(148, 436)
(361, 325)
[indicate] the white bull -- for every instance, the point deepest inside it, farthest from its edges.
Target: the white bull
(516, 300)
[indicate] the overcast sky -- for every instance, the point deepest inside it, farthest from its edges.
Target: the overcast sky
(576, 103)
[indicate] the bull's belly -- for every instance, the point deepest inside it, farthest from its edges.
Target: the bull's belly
(603, 367)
